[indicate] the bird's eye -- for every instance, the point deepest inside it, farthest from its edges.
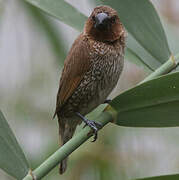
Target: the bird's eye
(93, 18)
(113, 19)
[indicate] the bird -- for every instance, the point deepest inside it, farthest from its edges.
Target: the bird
(91, 71)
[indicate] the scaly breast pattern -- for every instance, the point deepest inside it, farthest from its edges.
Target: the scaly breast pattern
(106, 67)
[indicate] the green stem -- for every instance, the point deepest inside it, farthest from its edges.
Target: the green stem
(105, 117)
(163, 69)
(68, 148)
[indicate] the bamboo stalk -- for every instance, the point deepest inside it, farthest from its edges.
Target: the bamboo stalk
(163, 69)
(104, 118)
(67, 149)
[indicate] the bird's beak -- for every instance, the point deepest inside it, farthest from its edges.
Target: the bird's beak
(101, 20)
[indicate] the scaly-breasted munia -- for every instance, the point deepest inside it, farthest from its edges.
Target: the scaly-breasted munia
(91, 71)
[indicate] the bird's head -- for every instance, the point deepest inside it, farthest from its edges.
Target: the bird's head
(104, 25)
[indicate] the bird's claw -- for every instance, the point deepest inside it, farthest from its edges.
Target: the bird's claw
(95, 126)
(92, 124)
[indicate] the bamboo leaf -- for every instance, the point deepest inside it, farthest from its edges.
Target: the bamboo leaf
(151, 104)
(49, 28)
(12, 158)
(142, 53)
(62, 11)
(134, 58)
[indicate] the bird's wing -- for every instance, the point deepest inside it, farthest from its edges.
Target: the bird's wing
(77, 63)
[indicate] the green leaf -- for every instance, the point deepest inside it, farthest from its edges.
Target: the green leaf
(134, 58)
(50, 30)
(142, 22)
(12, 158)
(151, 104)
(142, 53)
(61, 10)
(166, 177)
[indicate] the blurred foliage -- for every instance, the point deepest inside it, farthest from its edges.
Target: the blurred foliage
(12, 158)
(120, 153)
(50, 30)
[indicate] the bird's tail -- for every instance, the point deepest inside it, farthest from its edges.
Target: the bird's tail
(66, 132)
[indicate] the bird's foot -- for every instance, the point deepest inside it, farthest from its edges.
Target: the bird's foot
(95, 126)
(107, 101)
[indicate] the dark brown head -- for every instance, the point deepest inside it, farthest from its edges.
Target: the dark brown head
(104, 25)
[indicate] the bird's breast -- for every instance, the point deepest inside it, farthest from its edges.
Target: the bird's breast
(101, 78)
(106, 72)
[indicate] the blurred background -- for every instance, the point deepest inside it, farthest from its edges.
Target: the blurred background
(32, 50)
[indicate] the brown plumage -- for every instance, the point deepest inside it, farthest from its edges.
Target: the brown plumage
(91, 71)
